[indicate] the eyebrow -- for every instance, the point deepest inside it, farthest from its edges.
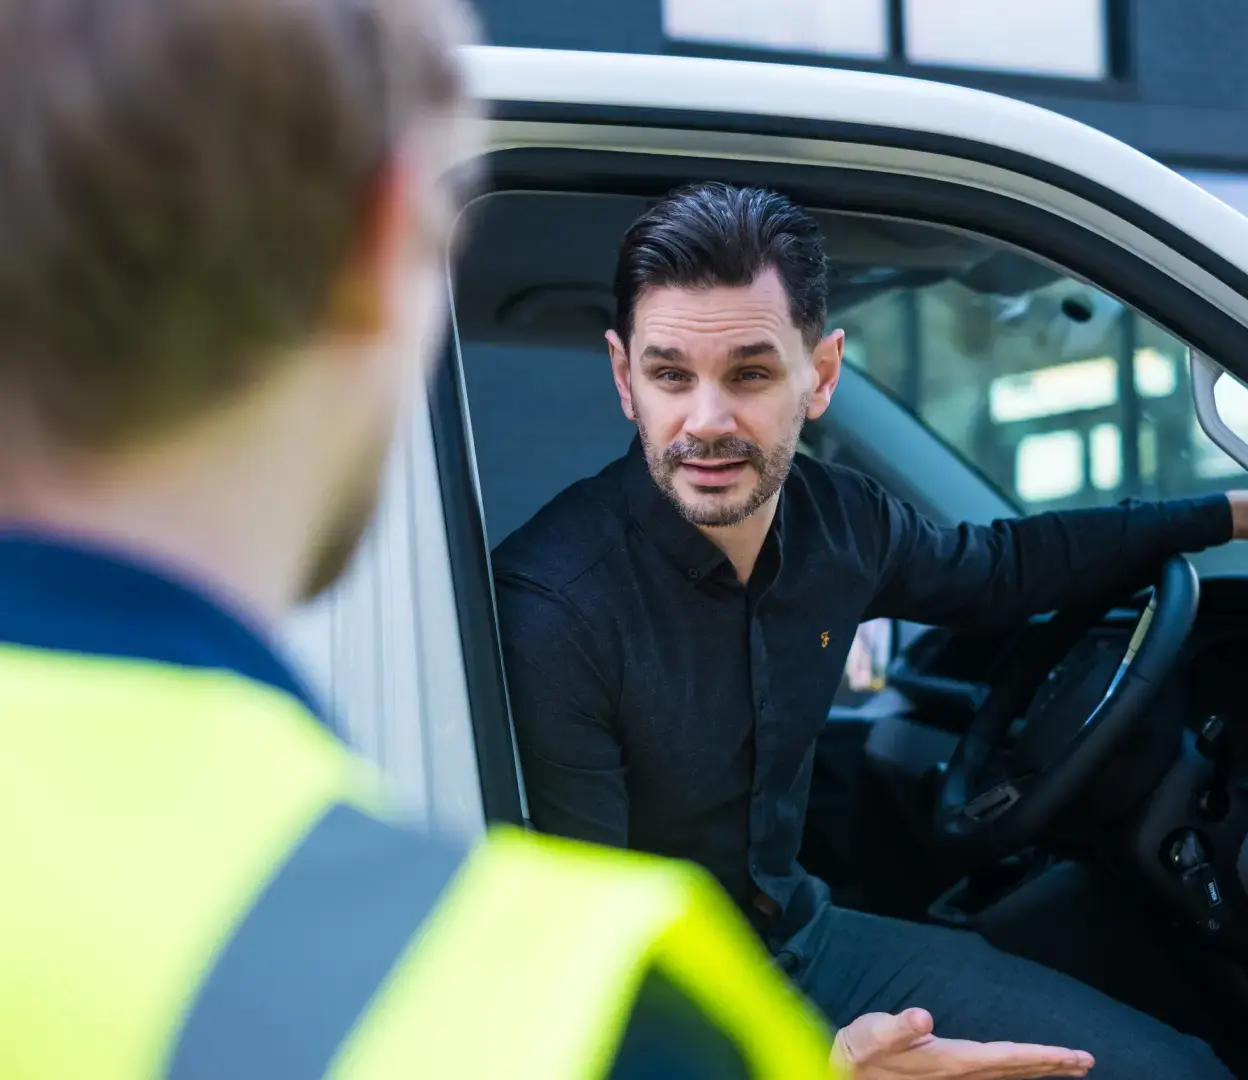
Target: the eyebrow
(753, 349)
(659, 353)
(739, 352)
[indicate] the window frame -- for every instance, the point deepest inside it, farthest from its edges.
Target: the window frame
(1032, 229)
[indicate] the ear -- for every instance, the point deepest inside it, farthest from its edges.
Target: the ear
(361, 297)
(826, 360)
(621, 372)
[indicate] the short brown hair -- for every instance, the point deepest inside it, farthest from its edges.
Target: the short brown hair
(180, 182)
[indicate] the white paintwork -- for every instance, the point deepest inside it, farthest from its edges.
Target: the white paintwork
(385, 645)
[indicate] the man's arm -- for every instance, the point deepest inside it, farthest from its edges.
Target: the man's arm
(985, 576)
(563, 694)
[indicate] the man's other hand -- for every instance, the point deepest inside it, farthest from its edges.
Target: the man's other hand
(880, 1046)
(1239, 514)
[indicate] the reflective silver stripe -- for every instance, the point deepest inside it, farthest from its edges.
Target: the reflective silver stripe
(301, 969)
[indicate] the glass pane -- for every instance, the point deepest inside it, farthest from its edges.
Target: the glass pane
(1040, 37)
(844, 28)
(1058, 394)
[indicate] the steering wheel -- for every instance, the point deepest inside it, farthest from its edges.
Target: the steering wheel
(995, 798)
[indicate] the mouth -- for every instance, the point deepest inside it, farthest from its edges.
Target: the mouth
(720, 473)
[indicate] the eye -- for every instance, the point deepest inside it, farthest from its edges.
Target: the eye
(670, 375)
(754, 375)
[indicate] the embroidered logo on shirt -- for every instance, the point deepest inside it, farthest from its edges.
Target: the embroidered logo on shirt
(823, 640)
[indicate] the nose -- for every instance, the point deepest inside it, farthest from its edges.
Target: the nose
(710, 414)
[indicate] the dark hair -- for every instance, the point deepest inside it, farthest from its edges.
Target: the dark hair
(180, 184)
(710, 234)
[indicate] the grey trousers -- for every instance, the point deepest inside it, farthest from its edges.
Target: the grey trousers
(849, 963)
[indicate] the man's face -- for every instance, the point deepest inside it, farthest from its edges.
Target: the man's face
(719, 383)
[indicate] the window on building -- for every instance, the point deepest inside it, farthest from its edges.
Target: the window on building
(850, 28)
(1032, 37)
(1063, 38)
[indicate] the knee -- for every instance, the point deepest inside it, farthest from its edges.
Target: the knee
(1157, 1051)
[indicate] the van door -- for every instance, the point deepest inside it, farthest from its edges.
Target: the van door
(625, 129)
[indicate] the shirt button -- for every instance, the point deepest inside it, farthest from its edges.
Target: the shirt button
(693, 573)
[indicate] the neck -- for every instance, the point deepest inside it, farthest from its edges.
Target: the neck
(215, 506)
(742, 543)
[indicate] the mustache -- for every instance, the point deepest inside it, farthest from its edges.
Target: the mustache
(699, 450)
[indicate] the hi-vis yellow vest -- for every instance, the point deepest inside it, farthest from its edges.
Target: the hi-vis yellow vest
(194, 884)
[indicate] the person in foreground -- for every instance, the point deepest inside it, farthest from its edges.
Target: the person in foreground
(674, 630)
(221, 255)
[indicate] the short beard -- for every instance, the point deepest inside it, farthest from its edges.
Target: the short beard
(340, 540)
(771, 466)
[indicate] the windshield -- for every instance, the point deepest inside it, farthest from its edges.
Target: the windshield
(1055, 392)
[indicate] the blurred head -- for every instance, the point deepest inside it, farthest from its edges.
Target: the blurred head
(225, 216)
(719, 352)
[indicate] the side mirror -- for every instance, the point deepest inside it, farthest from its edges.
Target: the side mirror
(1221, 406)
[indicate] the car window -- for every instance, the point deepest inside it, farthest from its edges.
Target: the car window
(1057, 393)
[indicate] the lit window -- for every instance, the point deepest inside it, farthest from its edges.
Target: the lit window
(1034, 37)
(840, 28)
(1049, 466)
(1105, 450)
(1148, 450)
(1054, 391)
(1155, 376)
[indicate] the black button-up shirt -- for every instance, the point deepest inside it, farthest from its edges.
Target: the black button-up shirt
(661, 704)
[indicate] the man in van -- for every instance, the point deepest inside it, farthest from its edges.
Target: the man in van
(675, 627)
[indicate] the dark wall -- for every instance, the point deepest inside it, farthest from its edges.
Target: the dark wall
(1183, 95)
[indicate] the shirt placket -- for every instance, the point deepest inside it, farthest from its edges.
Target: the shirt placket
(764, 752)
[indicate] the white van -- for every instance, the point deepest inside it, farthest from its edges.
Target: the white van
(1037, 316)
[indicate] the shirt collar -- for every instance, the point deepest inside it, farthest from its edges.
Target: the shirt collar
(680, 540)
(69, 596)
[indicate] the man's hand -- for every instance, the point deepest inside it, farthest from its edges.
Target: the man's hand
(1239, 514)
(879, 1046)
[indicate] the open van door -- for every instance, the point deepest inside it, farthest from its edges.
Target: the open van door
(962, 164)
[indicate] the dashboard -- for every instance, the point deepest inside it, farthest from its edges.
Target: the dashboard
(1170, 808)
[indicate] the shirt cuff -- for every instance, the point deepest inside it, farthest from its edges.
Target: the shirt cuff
(1199, 523)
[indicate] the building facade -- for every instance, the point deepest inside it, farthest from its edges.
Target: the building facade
(1166, 76)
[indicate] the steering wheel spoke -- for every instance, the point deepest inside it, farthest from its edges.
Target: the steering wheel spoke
(1006, 783)
(998, 800)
